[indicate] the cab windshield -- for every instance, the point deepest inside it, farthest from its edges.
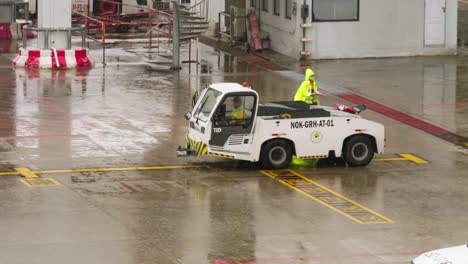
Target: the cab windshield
(208, 102)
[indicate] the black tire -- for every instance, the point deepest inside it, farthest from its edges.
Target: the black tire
(358, 151)
(276, 154)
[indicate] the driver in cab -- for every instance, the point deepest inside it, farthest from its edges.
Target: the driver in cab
(238, 113)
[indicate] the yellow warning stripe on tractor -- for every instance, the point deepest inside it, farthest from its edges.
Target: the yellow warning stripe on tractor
(220, 155)
(314, 157)
(200, 147)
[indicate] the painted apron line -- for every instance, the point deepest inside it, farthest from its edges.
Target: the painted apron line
(25, 172)
(32, 180)
(405, 157)
(40, 182)
(327, 197)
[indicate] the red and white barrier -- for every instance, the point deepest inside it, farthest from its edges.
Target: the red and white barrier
(53, 59)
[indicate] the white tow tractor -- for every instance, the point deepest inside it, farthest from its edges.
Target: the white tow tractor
(271, 133)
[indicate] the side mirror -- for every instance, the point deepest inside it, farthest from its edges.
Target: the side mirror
(187, 116)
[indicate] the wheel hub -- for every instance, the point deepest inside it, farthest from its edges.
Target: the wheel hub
(277, 155)
(360, 151)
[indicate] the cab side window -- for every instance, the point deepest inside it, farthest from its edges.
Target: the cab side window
(237, 110)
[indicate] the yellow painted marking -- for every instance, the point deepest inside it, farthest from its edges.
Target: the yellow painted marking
(54, 181)
(40, 182)
(9, 173)
(466, 144)
(413, 158)
(405, 157)
(390, 159)
(32, 180)
(26, 183)
(120, 169)
(327, 196)
(33, 174)
(26, 173)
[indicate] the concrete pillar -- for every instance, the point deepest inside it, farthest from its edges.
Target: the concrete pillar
(175, 37)
(53, 14)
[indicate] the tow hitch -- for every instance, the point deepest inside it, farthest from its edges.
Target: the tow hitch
(193, 148)
(185, 152)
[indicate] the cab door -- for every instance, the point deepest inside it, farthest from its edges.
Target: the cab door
(233, 121)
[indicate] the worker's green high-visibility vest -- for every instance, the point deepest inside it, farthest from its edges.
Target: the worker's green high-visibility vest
(238, 113)
(313, 98)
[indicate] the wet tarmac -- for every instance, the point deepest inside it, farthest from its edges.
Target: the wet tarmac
(107, 136)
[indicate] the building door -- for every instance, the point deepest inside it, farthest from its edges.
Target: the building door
(435, 22)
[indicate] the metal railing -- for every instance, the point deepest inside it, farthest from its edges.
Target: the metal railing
(200, 8)
(227, 19)
(47, 32)
(105, 22)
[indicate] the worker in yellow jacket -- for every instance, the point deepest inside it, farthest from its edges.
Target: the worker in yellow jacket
(308, 90)
(238, 111)
(238, 114)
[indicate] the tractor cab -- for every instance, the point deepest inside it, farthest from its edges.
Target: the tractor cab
(223, 111)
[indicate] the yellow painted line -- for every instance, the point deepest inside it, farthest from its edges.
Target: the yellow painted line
(25, 182)
(414, 158)
(405, 157)
(120, 169)
(326, 197)
(9, 173)
(54, 181)
(39, 182)
(26, 173)
(390, 159)
(33, 174)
